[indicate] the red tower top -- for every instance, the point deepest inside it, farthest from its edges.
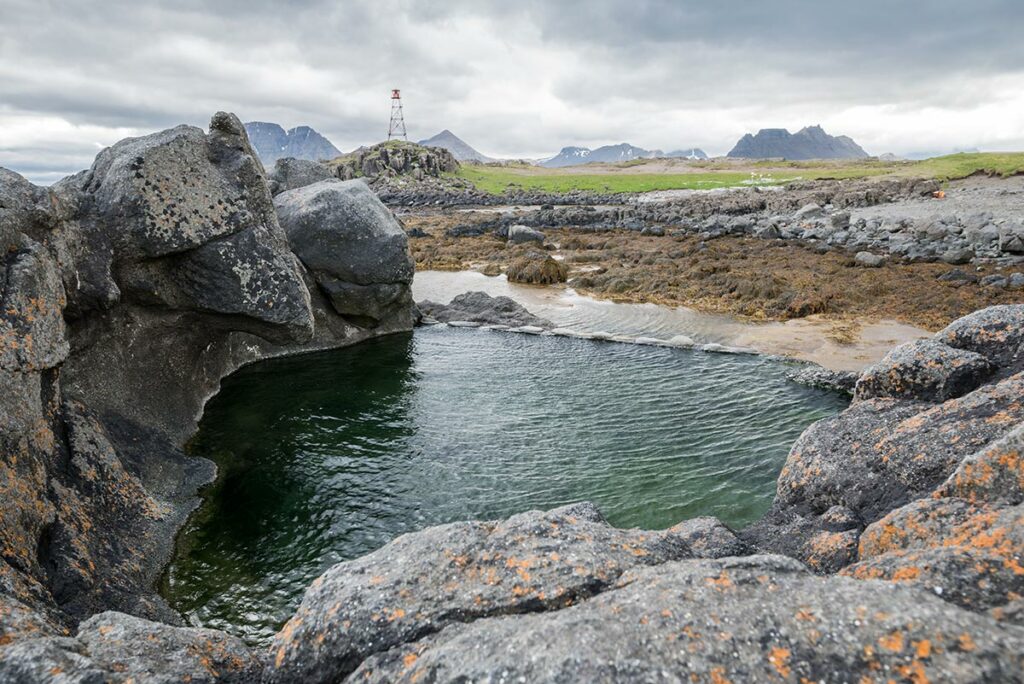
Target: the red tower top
(395, 95)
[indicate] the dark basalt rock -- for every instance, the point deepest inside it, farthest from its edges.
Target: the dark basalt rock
(924, 369)
(480, 307)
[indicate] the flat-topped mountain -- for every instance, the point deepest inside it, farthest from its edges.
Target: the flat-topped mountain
(459, 148)
(272, 142)
(571, 156)
(811, 142)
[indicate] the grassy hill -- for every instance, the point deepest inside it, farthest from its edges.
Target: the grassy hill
(643, 175)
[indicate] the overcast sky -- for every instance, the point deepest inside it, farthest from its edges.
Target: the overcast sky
(513, 79)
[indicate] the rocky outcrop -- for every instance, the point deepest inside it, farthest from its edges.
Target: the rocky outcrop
(129, 290)
(395, 158)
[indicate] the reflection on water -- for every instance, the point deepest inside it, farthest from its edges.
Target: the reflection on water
(326, 457)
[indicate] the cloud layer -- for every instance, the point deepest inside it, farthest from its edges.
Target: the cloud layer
(513, 79)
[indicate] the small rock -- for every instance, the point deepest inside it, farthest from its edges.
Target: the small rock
(869, 260)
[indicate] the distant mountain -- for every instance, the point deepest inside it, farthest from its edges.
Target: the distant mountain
(811, 142)
(571, 156)
(458, 147)
(272, 143)
(692, 153)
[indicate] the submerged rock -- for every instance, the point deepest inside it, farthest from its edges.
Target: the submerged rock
(480, 307)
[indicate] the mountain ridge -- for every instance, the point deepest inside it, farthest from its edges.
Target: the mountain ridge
(272, 142)
(622, 152)
(810, 142)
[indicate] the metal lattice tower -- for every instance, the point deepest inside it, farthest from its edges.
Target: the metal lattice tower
(397, 127)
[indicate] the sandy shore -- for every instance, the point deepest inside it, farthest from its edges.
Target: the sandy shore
(807, 339)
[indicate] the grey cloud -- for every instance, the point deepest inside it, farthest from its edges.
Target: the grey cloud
(601, 71)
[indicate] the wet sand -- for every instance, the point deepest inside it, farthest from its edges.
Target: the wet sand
(806, 339)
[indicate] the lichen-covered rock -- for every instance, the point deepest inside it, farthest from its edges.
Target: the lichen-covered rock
(191, 222)
(755, 619)
(996, 333)
(290, 173)
(995, 474)
(480, 307)
(969, 554)
(876, 456)
(121, 649)
(423, 582)
(352, 244)
(926, 370)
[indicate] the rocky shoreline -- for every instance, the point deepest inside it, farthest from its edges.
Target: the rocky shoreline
(820, 214)
(894, 548)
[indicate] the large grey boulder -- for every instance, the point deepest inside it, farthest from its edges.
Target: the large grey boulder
(926, 370)
(755, 619)
(518, 235)
(352, 244)
(191, 222)
(290, 173)
(424, 582)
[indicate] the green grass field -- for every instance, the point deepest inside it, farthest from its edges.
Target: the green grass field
(629, 177)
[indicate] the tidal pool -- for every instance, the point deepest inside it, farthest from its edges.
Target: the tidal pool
(326, 457)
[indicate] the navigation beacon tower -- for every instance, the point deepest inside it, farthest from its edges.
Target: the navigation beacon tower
(397, 127)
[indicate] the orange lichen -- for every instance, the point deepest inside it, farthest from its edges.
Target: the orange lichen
(779, 658)
(893, 642)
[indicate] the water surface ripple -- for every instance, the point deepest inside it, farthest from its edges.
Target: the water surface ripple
(326, 457)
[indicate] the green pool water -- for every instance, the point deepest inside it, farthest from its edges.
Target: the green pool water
(327, 457)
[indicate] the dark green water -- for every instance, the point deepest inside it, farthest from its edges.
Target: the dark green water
(326, 457)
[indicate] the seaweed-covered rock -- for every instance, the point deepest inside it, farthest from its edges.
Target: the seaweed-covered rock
(423, 582)
(535, 268)
(480, 307)
(755, 619)
(926, 370)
